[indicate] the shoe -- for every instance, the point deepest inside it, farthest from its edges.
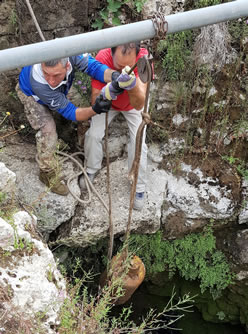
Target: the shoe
(53, 182)
(139, 201)
(82, 183)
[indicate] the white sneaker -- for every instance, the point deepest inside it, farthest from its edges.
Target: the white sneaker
(82, 183)
(139, 201)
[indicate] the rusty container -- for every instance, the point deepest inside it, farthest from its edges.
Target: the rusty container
(131, 280)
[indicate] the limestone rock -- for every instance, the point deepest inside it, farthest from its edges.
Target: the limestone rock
(91, 221)
(7, 237)
(7, 180)
(242, 247)
(172, 146)
(155, 153)
(192, 199)
(243, 216)
(29, 273)
(178, 119)
(50, 209)
(153, 6)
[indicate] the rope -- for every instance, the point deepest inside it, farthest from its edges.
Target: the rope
(35, 20)
(89, 185)
(111, 227)
(133, 174)
(161, 27)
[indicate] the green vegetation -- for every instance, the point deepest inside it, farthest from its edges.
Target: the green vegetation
(175, 51)
(13, 94)
(13, 18)
(21, 243)
(7, 114)
(7, 207)
(3, 197)
(195, 257)
(240, 165)
(238, 30)
(113, 9)
(211, 98)
(221, 315)
(138, 4)
(3, 118)
(84, 313)
(82, 83)
(206, 3)
(7, 210)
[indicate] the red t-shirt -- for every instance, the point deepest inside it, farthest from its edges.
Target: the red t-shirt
(105, 57)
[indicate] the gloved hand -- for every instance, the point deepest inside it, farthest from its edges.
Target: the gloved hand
(101, 105)
(115, 75)
(112, 89)
(109, 92)
(125, 80)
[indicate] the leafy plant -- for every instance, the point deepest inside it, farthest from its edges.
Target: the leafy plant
(239, 164)
(21, 243)
(112, 11)
(3, 197)
(206, 3)
(82, 83)
(85, 313)
(138, 4)
(13, 18)
(13, 94)
(238, 30)
(221, 315)
(240, 130)
(175, 52)
(195, 257)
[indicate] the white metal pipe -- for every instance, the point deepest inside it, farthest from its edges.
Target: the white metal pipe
(96, 40)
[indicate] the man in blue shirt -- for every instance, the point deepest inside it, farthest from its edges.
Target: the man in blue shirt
(44, 87)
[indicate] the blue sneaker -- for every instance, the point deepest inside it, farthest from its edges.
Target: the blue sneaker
(139, 201)
(82, 183)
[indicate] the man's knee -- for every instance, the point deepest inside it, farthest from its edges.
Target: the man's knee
(46, 142)
(94, 136)
(48, 126)
(40, 118)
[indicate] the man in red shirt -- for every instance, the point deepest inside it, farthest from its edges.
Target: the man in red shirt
(130, 103)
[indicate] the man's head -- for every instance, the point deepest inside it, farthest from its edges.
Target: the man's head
(124, 55)
(54, 71)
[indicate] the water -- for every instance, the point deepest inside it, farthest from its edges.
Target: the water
(191, 323)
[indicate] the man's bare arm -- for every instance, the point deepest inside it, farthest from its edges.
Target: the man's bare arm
(108, 75)
(94, 93)
(82, 114)
(137, 94)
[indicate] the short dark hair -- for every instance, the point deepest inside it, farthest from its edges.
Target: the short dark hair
(127, 47)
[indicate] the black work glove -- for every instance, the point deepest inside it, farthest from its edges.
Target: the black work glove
(101, 105)
(117, 89)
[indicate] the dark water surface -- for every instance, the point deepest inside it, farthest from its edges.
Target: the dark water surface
(191, 323)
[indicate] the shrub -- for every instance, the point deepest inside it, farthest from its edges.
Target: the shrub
(195, 257)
